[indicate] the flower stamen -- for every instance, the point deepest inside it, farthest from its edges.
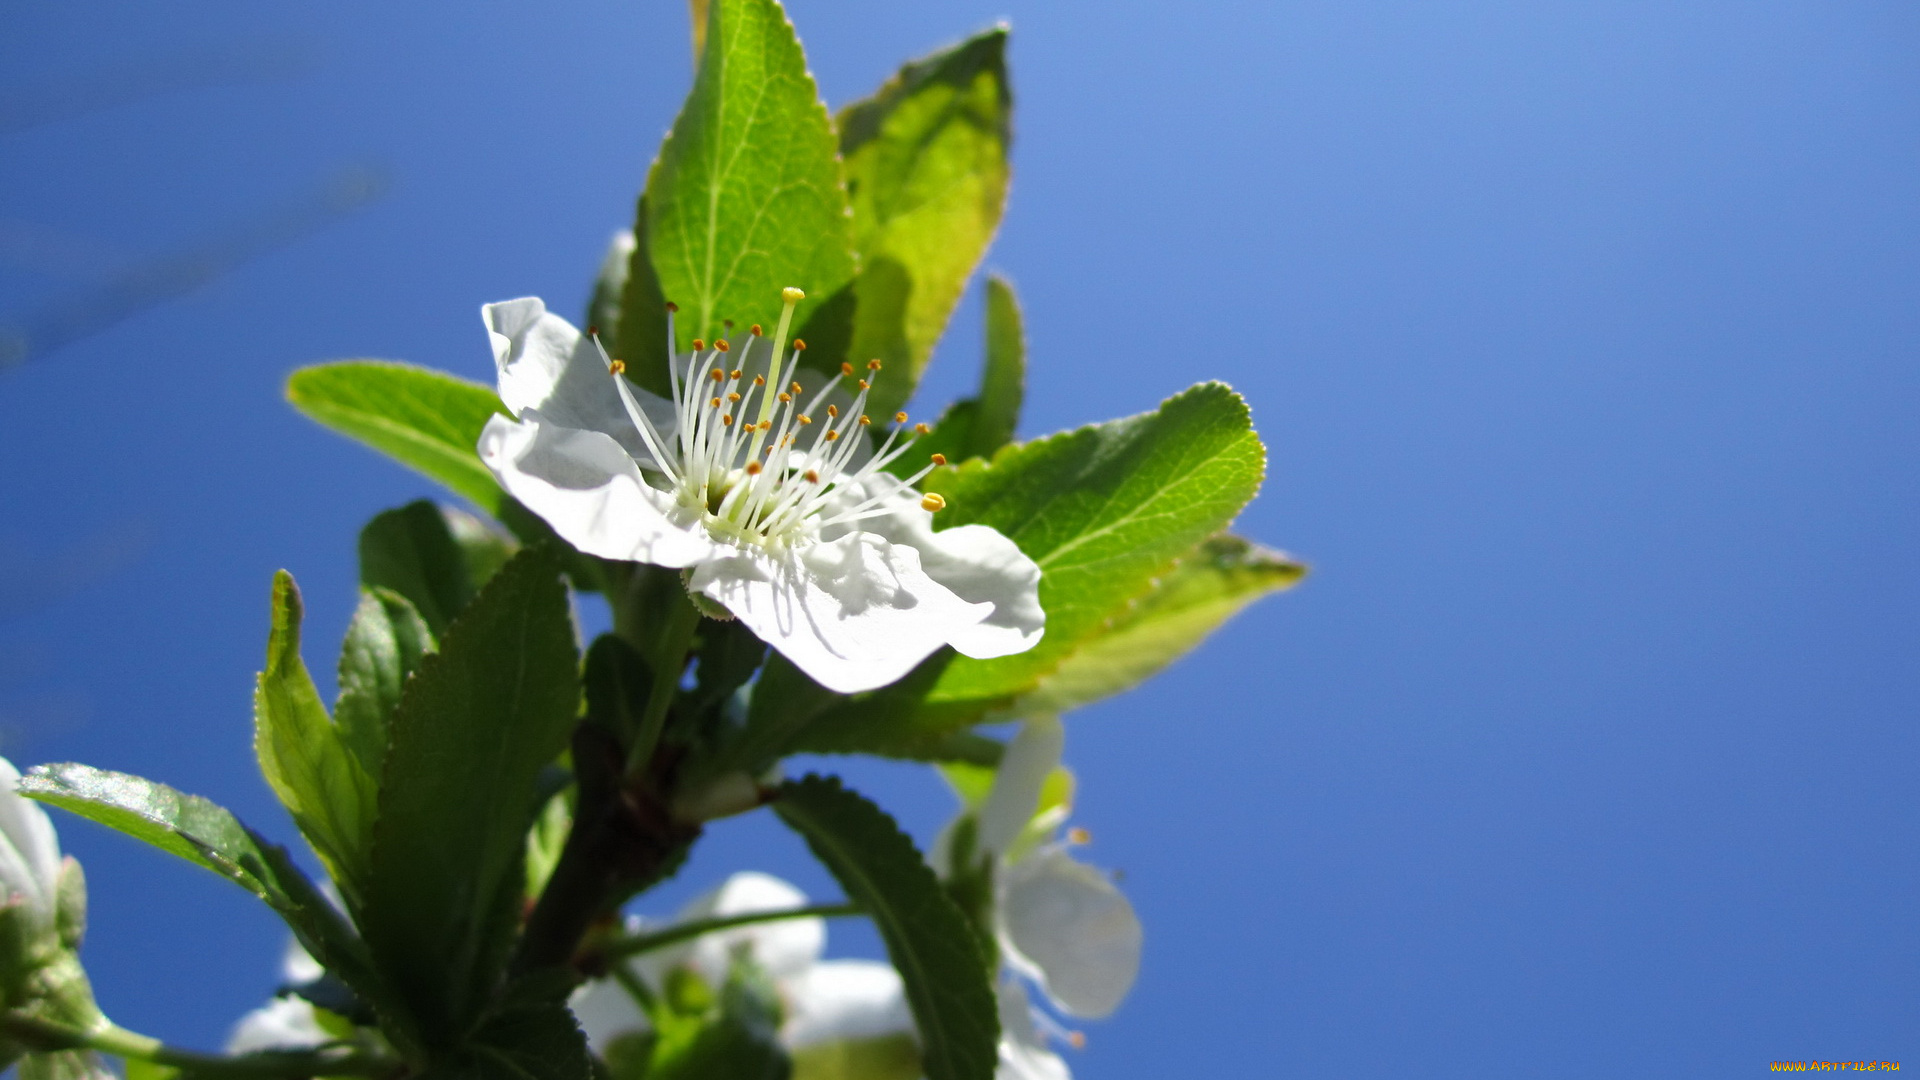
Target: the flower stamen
(740, 459)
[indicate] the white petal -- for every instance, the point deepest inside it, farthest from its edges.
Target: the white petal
(978, 564)
(1015, 796)
(1065, 925)
(783, 948)
(34, 867)
(606, 1011)
(616, 264)
(588, 488)
(546, 364)
(297, 967)
(1023, 1052)
(854, 613)
(844, 999)
(285, 1023)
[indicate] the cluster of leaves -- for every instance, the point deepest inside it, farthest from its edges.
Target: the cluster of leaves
(482, 796)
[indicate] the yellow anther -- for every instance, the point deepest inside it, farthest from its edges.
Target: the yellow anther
(796, 388)
(873, 365)
(812, 477)
(932, 503)
(921, 429)
(722, 345)
(865, 420)
(617, 366)
(792, 295)
(846, 368)
(832, 435)
(717, 375)
(899, 418)
(766, 425)
(804, 418)
(727, 419)
(799, 345)
(785, 398)
(939, 459)
(734, 374)
(833, 410)
(698, 344)
(753, 468)
(734, 397)
(754, 329)
(759, 380)
(715, 403)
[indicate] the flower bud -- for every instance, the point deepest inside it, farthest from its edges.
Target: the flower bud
(43, 916)
(723, 796)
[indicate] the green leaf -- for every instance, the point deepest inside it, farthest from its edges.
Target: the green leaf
(425, 419)
(972, 783)
(640, 336)
(412, 551)
(739, 1040)
(1222, 575)
(927, 175)
(547, 840)
(883, 1057)
(1103, 510)
(979, 425)
(784, 701)
(746, 197)
(895, 721)
(63, 1065)
(526, 1042)
(321, 783)
(385, 642)
(474, 726)
(610, 286)
(1003, 385)
(206, 835)
(927, 936)
(486, 548)
(727, 656)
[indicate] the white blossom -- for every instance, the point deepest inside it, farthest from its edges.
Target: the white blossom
(1024, 1050)
(1060, 923)
(29, 852)
(765, 490)
(285, 1023)
(824, 1001)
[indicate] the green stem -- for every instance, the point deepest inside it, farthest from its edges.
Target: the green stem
(669, 661)
(620, 948)
(635, 988)
(112, 1039)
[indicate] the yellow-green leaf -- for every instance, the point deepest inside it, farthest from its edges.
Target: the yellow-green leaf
(425, 419)
(927, 174)
(1210, 585)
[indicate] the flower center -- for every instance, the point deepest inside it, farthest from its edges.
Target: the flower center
(761, 461)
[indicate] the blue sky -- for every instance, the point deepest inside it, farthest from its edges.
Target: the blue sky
(1582, 337)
